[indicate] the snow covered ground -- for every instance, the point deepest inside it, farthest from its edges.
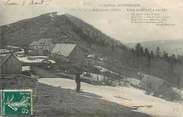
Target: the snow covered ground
(102, 69)
(35, 59)
(127, 96)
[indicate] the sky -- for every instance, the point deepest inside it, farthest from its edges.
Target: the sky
(110, 16)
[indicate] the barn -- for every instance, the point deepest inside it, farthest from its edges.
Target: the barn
(10, 64)
(67, 51)
(67, 54)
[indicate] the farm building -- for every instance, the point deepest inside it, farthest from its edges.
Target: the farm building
(67, 54)
(67, 51)
(41, 47)
(10, 64)
(11, 76)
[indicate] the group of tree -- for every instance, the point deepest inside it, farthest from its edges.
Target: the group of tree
(159, 63)
(139, 51)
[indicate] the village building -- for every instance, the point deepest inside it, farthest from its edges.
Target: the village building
(11, 76)
(67, 54)
(67, 51)
(41, 47)
(10, 64)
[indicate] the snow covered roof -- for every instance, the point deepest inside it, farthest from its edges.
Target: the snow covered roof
(4, 51)
(43, 44)
(42, 41)
(35, 59)
(45, 40)
(34, 43)
(64, 49)
(31, 60)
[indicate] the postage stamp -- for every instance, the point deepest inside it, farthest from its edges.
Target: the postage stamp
(16, 102)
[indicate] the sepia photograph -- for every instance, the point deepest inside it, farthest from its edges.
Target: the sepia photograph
(89, 58)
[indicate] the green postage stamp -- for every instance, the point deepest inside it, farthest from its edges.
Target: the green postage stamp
(16, 102)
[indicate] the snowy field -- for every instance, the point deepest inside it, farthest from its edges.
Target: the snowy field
(127, 96)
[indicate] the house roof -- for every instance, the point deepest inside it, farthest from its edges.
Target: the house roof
(42, 41)
(4, 59)
(44, 44)
(2, 51)
(34, 43)
(64, 49)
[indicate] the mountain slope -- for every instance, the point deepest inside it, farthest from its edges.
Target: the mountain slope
(58, 27)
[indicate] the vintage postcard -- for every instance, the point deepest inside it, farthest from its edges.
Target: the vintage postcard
(91, 58)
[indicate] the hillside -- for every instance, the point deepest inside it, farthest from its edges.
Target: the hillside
(170, 46)
(59, 28)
